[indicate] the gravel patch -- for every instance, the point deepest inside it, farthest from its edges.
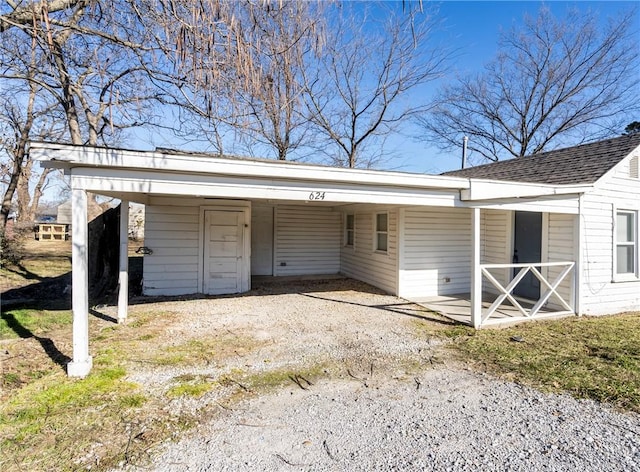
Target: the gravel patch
(453, 420)
(374, 413)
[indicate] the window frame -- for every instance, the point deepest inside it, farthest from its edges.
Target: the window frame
(633, 275)
(377, 231)
(348, 230)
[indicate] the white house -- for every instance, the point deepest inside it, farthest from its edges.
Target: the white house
(551, 234)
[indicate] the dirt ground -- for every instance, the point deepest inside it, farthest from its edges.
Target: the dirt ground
(290, 336)
(332, 328)
(325, 375)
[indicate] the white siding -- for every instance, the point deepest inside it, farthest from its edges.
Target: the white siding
(437, 252)
(495, 240)
(362, 262)
(561, 248)
(307, 240)
(261, 239)
(172, 233)
(599, 294)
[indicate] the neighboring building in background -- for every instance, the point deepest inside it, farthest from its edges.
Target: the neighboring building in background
(64, 213)
(136, 218)
(136, 221)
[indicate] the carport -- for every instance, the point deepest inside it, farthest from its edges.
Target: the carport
(207, 215)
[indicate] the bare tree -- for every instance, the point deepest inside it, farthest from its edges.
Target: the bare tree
(356, 94)
(78, 62)
(100, 64)
(234, 68)
(286, 35)
(24, 115)
(16, 129)
(553, 82)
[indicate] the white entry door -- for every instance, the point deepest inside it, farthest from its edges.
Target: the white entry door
(224, 265)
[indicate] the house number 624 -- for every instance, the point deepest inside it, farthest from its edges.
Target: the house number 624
(316, 196)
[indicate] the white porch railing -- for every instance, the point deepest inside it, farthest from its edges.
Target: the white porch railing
(548, 288)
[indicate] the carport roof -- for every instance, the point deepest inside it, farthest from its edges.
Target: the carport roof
(67, 156)
(167, 172)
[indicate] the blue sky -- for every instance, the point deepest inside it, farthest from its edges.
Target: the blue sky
(472, 29)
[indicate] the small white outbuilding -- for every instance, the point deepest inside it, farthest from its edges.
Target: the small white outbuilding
(551, 234)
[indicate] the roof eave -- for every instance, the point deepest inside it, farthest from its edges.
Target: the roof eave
(69, 157)
(485, 189)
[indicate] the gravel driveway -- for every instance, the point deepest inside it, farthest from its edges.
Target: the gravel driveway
(391, 399)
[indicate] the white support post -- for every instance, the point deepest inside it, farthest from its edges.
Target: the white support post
(476, 272)
(123, 277)
(82, 361)
(579, 241)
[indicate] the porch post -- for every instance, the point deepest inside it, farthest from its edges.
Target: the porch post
(123, 277)
(476, 274)
(579, 258)
(82, 361)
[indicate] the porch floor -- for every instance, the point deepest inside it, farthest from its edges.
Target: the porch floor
(458, 308)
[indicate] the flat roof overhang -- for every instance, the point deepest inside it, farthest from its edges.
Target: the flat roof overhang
(137, 175)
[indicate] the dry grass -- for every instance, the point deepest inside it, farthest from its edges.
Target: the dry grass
(589, 357)
(50, 422)
(42, 260)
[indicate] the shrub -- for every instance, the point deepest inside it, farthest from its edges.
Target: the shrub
(11, 249)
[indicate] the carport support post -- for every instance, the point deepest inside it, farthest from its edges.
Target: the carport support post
(82, 361)
(476, 274)
(123, 277)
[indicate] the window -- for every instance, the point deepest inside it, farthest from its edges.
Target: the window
(381, 235)
(349, 230)
(626, 250)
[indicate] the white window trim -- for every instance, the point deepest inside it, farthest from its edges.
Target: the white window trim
(375, 232)
(625, 277)
(346, 231)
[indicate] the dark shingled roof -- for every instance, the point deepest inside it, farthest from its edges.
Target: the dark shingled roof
(582, 164)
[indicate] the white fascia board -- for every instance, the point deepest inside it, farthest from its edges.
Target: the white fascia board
(558, 204)
(480, 189)
(122, 181)
(66, 156)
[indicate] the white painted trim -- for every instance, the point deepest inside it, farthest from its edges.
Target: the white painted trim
(344, 244)
(510, 236)
(550, 204)
(82, 362)
(616, 277)
(400, 262)
(123, 275)
(544, 245)
(495, 189)
(476, 270)
(118, 181)
(374, 225)
(276, 268)
(579, 258)
(130, 196)
(69, 156)
(226, 205)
